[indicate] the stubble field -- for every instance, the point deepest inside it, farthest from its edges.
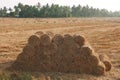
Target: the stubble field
(103, 34)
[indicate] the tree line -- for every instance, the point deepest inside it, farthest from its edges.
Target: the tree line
(55, 10)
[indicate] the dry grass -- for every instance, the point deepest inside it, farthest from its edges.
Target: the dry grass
(102, 33)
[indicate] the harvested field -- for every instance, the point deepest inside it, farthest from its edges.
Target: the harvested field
(103, 34)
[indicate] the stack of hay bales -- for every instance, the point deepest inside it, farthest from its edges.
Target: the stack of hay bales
(60, 53)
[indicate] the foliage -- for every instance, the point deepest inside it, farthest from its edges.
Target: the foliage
(54, 10)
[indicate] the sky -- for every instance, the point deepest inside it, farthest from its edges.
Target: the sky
(111, 5)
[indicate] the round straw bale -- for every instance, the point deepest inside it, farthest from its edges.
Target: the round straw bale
(49, 33)
(99, 69)
(39, 49)
(34, 40)
(93, 60)
(21, 58)
(27, 54)
(39, 33)
(50, 49)
(108, 65)
(28, 50)
(45, 40)
(79, 40)
(86, 50)
(57, 39)
(53, 47)
(62, 54)
(68, 39)
(106, 61)
(104, 57)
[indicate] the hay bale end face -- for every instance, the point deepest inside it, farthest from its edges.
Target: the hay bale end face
(86, 50)
(39, 33)
(34, 40)
(45, 40)
(79, 40)
(100, 69)
(59, 53)
(50, 33)
(68, 39)
(57, 39)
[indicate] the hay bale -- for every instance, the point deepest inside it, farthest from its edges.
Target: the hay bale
(68, 48)
(50, 49)
(57, 39)
(108, 65)
(28, 49)
(99, 69)
(39, 33)
(34, 40)
(39, 49)
(93, 60)
(49, 33)
(79, 39)
(86, 50)
(105, 59)
(27, 54)
(62, 54)
(68, 39)
(45, 40)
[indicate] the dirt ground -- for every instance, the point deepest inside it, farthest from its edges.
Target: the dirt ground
(103, 34)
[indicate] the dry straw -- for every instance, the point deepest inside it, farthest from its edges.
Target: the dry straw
(59, 53)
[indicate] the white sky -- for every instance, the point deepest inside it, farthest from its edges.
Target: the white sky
(112, 5)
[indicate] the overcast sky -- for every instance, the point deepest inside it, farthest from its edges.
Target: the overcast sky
(112, 5)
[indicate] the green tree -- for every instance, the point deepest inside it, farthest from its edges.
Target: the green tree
(4, 12)
(17, 10)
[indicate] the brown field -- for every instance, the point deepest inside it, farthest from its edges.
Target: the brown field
(102, 33)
